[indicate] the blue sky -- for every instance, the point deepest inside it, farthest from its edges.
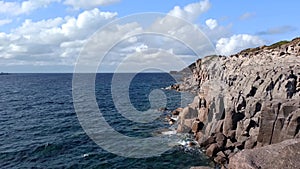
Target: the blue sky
(48, 35)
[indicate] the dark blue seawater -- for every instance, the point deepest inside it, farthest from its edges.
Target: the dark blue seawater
(39, 127)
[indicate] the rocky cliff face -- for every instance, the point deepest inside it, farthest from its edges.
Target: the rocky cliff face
(250, 99)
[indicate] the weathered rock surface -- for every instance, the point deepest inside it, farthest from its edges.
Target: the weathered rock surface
(201, 167)
(250, 99)
(276, 156)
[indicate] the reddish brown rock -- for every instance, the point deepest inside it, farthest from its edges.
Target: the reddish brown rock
(212, 150)
(229, 144)
(220, 160)
(220, 139)
(210, 140)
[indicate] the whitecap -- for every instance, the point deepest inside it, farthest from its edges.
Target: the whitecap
(171, 132)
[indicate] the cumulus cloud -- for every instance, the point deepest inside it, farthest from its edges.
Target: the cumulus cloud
(191, 11)
(155, 59)
(85, 4)
(228, 46)
(52, 41)
(25, 7)
(58, 41)
(211, 23)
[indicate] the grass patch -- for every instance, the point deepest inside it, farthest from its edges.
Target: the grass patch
(278, 44)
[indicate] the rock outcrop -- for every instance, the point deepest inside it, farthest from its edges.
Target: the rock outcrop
(250, 99)
(276, 156)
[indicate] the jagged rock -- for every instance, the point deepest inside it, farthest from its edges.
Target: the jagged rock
(208, 141)
(220, 159)
(276, 118)
(250, 142)
(227, 152)
(188, 113)
(252, 97)
(199, 137)
(254, 131)
(212, 150)
(227, 125)
(186, 118)
(219, 126)
(239, 145)
(221, 140)
(231, 135)
(203, 114)
(282, 155)
(197, 126)
(177, 111)
(268, 118)
(291, 126)
(242, 139)
(221, 154)
(229, 145)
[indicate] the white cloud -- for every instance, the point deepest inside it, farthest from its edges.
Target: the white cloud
(155, 59)
(141, 48)
(57, 40)
(236, 43)
(17, 8)
(88, 4)
(5, 21)
(247, 15)
(191, 11)
(211, 23)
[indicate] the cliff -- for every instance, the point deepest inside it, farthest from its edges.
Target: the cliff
(247, 100)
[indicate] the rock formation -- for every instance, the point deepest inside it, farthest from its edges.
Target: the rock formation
(247, 100)
(275, 156)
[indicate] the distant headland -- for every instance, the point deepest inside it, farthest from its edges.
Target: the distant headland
(2, 73)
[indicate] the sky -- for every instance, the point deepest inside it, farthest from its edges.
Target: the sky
(56, 36)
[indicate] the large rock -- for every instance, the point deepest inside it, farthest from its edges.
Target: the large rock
(186, 118)
(276, 156)
(201, 167)
(252, 98)
(279, 121)
(212, 150)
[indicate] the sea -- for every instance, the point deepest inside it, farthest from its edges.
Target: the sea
(39, 127)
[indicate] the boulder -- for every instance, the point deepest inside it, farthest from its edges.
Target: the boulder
(268, 118)
(203, 114)
(276, 156)
(210, 140)
(229, 145)
(188, 113)
(212, 150)
(221, 140)
(220, 159)
(197, 126)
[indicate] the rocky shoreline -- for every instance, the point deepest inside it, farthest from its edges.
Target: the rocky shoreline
(250, 100)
